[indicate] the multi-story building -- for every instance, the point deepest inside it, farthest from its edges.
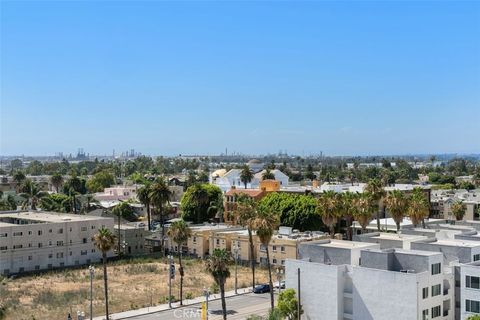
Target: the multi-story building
(132, 240)
(468, 300)
(357, 280)
(442, 200)
(389, 240)
(32, 241)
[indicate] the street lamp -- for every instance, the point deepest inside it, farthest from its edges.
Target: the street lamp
(235, 250)
(171, 275)
(206, 294)
(92, 273)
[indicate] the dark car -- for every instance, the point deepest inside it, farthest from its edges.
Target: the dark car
(261, 288)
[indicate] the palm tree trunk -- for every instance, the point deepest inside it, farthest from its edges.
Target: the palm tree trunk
(105, 282)
(148, 216)
(252, 256)
(332, 231)
(222, 295)
(272, 303)
(160, 209)
(378, 219)
(398, 227)
(119, 251)
(181, 272)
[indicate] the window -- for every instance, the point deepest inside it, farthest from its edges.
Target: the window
(218, 242)
(283, 262)
(263, 248)
(436, 268)
(17, 246)
(50, 231)
(30, 258)
(40, 232)
(274, 261)
(93, 227)
(29, 232)
(17, 234)
(59, 243)
(476, 257)
(425, 293)
(425, 314)
(472, 306)
(84, 229)
(274, 248)
(50, 256)
(59, 255)
(60, 231)
(282, 248)
(194, 240)
(83, 252)
(3, 248)
(436, 290)
(472, 282)
(436, 311)
(84, 240)
(40, 244)
(49, 242)
(93, 251)
(3, 235)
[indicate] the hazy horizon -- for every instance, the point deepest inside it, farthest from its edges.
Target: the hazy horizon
(358, 78)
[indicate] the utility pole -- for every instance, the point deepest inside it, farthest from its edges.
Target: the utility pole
(171, 274)
(92, 272)
(236, 262)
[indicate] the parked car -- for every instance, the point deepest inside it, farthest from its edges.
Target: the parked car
(280, 285)
(261, 288)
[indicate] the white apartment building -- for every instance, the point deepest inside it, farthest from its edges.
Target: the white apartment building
(469, 300)
(42, 240)
(380, 284)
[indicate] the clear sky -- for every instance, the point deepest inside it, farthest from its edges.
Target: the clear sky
(346, 78)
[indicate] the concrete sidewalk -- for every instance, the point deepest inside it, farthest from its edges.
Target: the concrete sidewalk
(163, 307)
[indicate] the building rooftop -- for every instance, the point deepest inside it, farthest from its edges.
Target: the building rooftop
(343, 244)
(30, 217)
(457, 243)
(249, 192)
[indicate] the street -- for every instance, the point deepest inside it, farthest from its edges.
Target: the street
(238, 307)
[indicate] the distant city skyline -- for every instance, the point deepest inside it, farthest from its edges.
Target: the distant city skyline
(169, 78)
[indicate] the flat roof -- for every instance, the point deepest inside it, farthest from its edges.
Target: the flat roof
(46, 217)
(457, 243)
(396, 236)
(410, 252)
(334, 243)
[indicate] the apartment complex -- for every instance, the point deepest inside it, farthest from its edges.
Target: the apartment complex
(132, 240)
(358, 280)
(442, 200)
(42, 240)
(467, 278)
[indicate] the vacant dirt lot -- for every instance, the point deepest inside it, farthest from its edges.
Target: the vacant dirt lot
(132, 284)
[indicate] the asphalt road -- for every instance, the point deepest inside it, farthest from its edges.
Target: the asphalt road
(238, 307)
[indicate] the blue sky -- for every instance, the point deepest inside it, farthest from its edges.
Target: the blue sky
(344, 78)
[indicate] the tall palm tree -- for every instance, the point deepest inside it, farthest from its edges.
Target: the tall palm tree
(268, 175)
(56, 180)
(104, 240)
(159, 197)
(458, 209)
(348, 206)
(200, 196)
(179, 232)
(143, 195)
(328, 208)
(245, 214)
(246, 175)
(375, 188)
(217, 264)
(419, 207)
(121, 210)
(265, 224)
(396, 203)
(365, 208)
(88, 200)
(32, 194)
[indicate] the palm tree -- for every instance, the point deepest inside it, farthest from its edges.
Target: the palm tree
(245, 214)
(365, 208)
(375, 188)
(246, 175)
(217, 264)
(121, 210)
(200, 196)
(396, 204)
(89, 199)
(265, 224)
(18, 177)
(159, 196)
(104, 240)
(419, 207)
(268, 175)
(328, 208)
(348, 206)
(56, 180)
(458, 209)
(143, 195)
(179, 232)
(32, 194)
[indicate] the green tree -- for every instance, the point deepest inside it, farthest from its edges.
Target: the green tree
(365, 208)
(288, 304)
(121, 210)
(377, 192)
(32, 194)
(143, 195)
(328, 209)
(179, 232)
(100, 181)
(197, 199)
(159, 197)
(458, 209)
(396, 203)
(348, 208)
(104, 240)
(56, 180)
(246, 175)
(217, 264)
(474, 317)
(266, 222)
(419, 206)
(268, 175)
(245, 215)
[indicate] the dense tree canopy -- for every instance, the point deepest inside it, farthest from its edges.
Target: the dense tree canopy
(296, 211)
(197, 200)
(100, 181)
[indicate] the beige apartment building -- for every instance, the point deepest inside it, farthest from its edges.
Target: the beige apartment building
(32, 241)
(132, 240)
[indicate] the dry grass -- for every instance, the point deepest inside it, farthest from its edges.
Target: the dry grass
(132, 284)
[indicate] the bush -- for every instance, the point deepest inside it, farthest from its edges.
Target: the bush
(189, 295)
(215, 288)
